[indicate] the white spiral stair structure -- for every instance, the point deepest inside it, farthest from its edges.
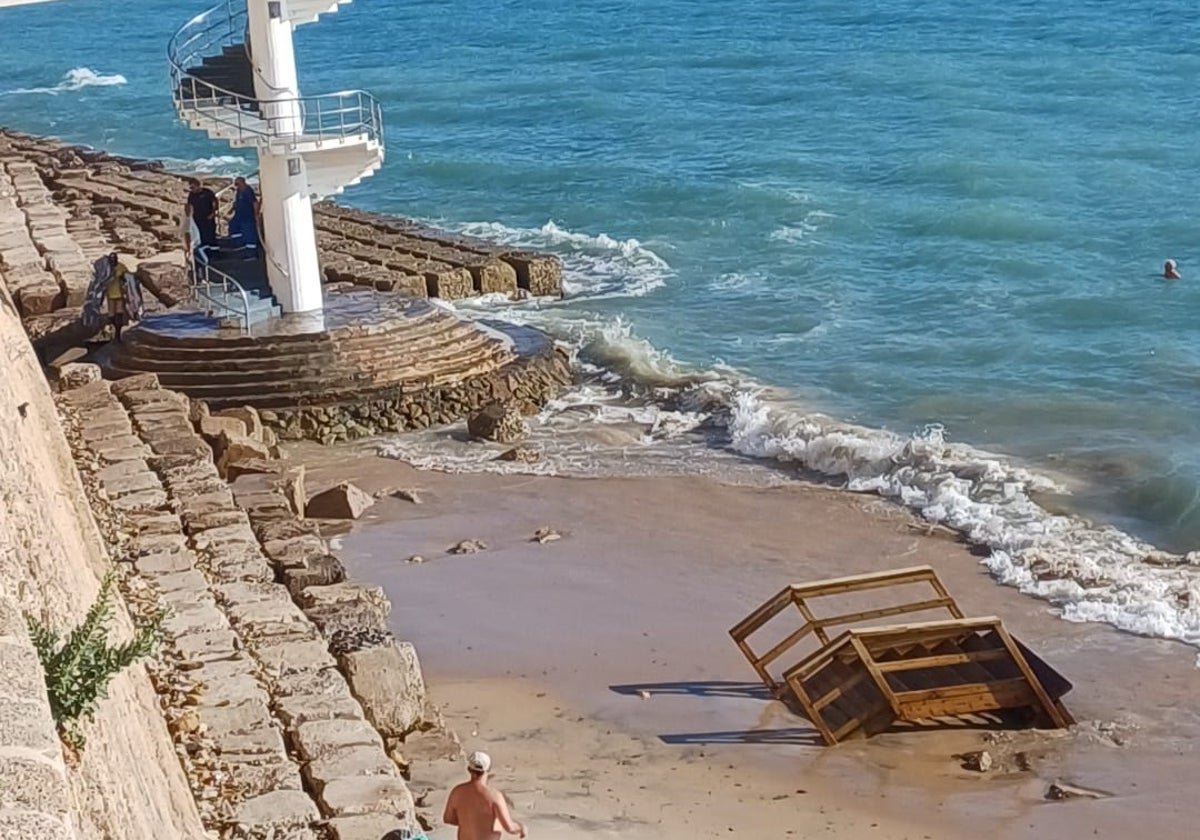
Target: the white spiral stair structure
(233, 76)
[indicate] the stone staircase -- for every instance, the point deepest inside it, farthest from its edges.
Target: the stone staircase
(273, 738)
(421, 346)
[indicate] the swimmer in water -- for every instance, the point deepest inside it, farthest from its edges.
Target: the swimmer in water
(1170, 271)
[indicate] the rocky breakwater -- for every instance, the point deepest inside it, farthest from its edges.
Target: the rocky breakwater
(280, 682)
(135, 205)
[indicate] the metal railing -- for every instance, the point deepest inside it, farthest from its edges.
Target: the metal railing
(329, 116)
(206, 280)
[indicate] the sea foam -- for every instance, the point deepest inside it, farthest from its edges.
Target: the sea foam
(77, 78)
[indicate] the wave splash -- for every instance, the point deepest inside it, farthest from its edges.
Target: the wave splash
(215, 165)
(1089, 571)
(594, 266)
(74, 79)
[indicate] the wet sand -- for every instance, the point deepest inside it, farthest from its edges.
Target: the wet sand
(543, 654)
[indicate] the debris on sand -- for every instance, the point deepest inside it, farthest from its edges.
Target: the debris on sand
(1060, 790)
(468, 547)
(416, 558)
(545, 534)
(979, 761)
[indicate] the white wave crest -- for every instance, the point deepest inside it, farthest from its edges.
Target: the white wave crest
(1091, 572)
(77, 78)
(594, 266)
(215, 165)
(801, 231)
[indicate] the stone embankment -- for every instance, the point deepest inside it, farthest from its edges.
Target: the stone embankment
(283, 697)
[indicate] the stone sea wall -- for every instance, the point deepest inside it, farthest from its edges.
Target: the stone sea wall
(128, 784)
(527, 383)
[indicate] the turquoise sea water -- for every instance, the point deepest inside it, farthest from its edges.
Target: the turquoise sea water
(904, 213)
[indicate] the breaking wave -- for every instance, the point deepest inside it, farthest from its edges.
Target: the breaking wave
(77, 78)
(215, 165)
(594, 266)
(712, 419)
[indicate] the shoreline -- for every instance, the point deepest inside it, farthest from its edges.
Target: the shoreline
(529, 646)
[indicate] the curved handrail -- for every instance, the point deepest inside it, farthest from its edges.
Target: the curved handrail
(321, 117)
(229, 286)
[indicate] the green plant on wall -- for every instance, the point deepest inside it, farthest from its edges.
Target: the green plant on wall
(79, 667)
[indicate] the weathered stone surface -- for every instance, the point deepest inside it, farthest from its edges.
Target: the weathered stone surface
(370, 826)
(325, 682)
(154, 565)
(249, 417)
(77, 374)
(293, 657)
(387, 681)
(296, 709)
(501, 422)
(318, 738)
(348, 606)
(281, 808)
(251, 466)
(137, 382)
(348, 763)
(30, 824)
(207, 645)
(291, 485)
(27, 724)
(319, 570)
(232, 448)
(344, 501)
(33, 781)
(210, 427)
(366, 795)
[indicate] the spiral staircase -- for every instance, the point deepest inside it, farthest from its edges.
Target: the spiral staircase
(222, 88)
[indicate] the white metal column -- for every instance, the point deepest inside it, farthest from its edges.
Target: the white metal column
(291, 242)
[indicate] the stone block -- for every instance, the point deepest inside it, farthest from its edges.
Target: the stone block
(498, 421)
(325, 682)
(154, 565)
(30, 824)
(346, 607)
(230, 449)
(132, 483)
(318, 738)
(251, 466)
(137, 382)
(321, 570)
(142, 500)
(207, 645)
(28, 724)
(387, 681)
(348, 763)
(77, 374)
(235, 689)
(249, 417)
(295, 657)
(296, 709)
(278, 809)
(211, 427)
(344, 501)
(20, 671)
(291, 485)
(366, 795)
(371, 827)
(32, 781)
(219, 538)
(193, 619)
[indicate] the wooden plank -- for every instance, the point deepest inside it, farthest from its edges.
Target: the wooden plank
(810, 618)
(922, 631)
(814, 716)
(989, 697)
(761, 615)
(941, 590)
(880, 681)
(951, 691)
(1050, 707)
(753, 658)
(781, 648)
(814, 660)
(884, 612)
(832, 695)
(942, 660)
(869, 580)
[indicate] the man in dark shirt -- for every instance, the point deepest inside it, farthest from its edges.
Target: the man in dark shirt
(202, 202)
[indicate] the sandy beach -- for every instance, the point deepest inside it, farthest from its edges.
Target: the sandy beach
(598, 671)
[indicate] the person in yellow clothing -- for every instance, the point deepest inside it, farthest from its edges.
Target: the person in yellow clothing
(113, 288)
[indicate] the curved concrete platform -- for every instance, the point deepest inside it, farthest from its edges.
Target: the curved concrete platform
(371, 362)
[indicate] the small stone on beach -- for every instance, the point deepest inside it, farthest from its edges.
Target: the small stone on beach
(468, 547)
(545, 534)
(979, 761)
(416, 558)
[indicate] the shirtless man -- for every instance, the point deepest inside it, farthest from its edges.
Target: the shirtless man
(1171, 271)
(479, 811)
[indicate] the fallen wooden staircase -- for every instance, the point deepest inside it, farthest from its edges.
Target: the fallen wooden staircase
(871, 677)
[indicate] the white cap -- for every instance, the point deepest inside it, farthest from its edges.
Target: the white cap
(479, 762)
